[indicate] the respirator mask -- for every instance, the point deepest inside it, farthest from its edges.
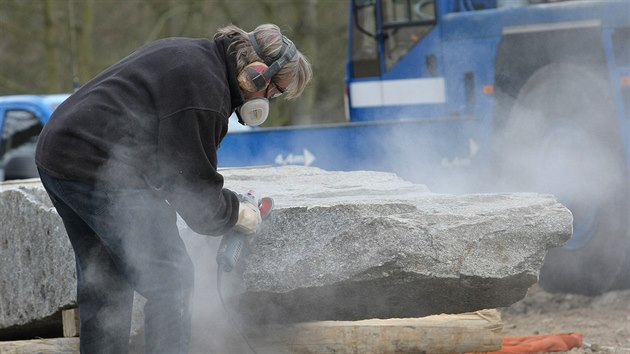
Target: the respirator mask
(253, 112)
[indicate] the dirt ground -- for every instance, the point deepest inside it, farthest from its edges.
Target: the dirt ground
(603, 320)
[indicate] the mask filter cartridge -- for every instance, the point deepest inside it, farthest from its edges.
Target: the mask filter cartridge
(253, 112)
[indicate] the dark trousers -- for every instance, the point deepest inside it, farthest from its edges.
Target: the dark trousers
(125, 240)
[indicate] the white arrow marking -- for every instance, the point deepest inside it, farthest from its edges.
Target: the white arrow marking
(306, 159)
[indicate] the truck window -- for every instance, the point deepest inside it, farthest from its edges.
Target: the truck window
(19, 130)
(364, 61)
(405, 22)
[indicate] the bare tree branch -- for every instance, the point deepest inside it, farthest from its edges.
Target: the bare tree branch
(162, 20)
(229, 14)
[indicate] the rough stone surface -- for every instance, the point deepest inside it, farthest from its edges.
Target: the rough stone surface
(340, 245)
(36, 256)
(357, 245)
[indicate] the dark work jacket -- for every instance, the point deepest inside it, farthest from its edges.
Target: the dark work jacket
(153, 120)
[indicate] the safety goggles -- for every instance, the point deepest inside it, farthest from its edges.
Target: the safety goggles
(275, 92)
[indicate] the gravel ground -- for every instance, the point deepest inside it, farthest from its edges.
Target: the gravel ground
(603, 320)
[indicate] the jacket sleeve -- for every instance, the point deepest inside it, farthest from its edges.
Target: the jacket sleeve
(187, 158)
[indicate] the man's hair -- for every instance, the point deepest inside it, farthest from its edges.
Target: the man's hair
(297, 71)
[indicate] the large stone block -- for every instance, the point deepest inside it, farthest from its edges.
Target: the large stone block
(356, 245)
(37, 276)
(340, 245)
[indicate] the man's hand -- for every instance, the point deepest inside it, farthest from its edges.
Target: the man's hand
(248, 218)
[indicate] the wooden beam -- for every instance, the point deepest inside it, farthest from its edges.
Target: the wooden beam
(43, 346)
(469, 332)
(70, 321)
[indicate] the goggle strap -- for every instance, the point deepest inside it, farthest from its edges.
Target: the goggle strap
(287, 52)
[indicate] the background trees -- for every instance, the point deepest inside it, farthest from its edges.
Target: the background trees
(51, 46)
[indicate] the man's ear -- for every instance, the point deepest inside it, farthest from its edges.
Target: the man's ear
(251, 79)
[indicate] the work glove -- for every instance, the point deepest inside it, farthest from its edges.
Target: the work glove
(248, 218)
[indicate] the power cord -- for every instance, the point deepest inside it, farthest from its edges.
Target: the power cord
(232, 320)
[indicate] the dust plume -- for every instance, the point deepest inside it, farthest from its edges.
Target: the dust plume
(559, 135)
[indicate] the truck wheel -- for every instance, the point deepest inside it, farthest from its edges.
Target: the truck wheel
(562, 137)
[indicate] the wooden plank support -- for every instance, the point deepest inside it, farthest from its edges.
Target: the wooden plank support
(469, 332)
(67, 345)
(41, 346)
(70, 321)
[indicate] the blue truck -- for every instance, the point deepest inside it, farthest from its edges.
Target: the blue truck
(21, 119)
(476, 96)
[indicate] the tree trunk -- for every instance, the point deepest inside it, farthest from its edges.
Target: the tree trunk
(302, 113)
(49, 45)
(86, 34)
